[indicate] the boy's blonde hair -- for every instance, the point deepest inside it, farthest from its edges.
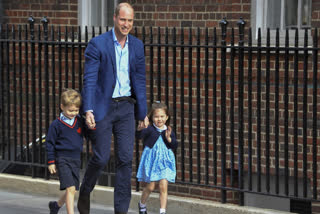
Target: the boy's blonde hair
(70, 97)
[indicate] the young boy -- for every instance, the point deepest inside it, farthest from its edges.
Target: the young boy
(64, 143)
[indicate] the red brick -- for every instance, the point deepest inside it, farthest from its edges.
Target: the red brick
(174, 8)
(186, 8)
(35, 7)
(161, 23)
(173, 24)
(60, 21)
(162, 8)
(149, 8)
(236, 8)
(199, 8)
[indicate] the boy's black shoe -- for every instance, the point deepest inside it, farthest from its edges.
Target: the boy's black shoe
(84, 203)
(142, 210)
(54, 207)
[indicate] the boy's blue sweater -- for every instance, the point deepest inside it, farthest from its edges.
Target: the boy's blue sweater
(64, 140)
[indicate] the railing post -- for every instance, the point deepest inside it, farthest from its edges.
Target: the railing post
(223, 23)
(45, 22)
(15, 133)
(31, 23)
(314, 113)
(182, 122)
(7, 94)
(33, 84)
(241, 24)
(151, 66)
(2, 140)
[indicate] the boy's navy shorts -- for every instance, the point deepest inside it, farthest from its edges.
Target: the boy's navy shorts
(68, 170)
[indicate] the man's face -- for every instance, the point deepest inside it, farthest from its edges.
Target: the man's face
(123, 22)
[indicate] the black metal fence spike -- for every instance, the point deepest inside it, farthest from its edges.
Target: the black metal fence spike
(223, 22)
(44, 20)
(31, 20)
(241, 22)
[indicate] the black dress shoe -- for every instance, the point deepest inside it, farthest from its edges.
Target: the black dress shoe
(84, 203)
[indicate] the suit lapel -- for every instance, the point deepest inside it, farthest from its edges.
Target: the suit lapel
(131, 52)
(111, 51)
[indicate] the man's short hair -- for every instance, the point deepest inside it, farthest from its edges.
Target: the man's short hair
(123, 4)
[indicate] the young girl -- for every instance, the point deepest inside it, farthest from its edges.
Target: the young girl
(157, 161)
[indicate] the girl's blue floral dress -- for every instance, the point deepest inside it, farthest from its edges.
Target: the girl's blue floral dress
(157, 162)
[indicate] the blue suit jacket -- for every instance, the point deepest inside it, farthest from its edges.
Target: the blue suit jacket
(100, 75)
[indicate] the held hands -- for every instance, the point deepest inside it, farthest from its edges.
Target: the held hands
(143, 124)
(91, 123)
(168, 133)
(52, 169)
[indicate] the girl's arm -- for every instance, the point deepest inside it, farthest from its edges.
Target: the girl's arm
(168, 134)
(142, 132)
(171, 140)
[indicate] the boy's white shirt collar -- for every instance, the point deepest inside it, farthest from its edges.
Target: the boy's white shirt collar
(66, 119)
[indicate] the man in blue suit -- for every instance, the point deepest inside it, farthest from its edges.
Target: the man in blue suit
(114, 95)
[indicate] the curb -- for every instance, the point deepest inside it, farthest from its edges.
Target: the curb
(104, 195)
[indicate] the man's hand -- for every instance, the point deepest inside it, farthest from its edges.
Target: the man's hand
(168, 133)
(91, 123)
(52, 168)
(143, 124)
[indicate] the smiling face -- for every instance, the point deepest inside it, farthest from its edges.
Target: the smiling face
(159, 118)
(123, 22)
(70, 111)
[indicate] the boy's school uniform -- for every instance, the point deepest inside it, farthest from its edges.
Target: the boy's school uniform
(64, 144)
(64, 140)
(157, 159)
(69, 172)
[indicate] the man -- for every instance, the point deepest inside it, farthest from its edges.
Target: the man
(114, 94)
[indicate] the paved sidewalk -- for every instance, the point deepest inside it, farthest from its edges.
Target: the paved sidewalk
(22, 194)
(21, 203)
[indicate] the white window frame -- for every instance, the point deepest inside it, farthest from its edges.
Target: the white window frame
(259, 15)
(84, 14)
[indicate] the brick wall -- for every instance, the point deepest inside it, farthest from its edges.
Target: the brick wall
(160, 13)
(62, 12)
(189, 13)
(315, 17)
